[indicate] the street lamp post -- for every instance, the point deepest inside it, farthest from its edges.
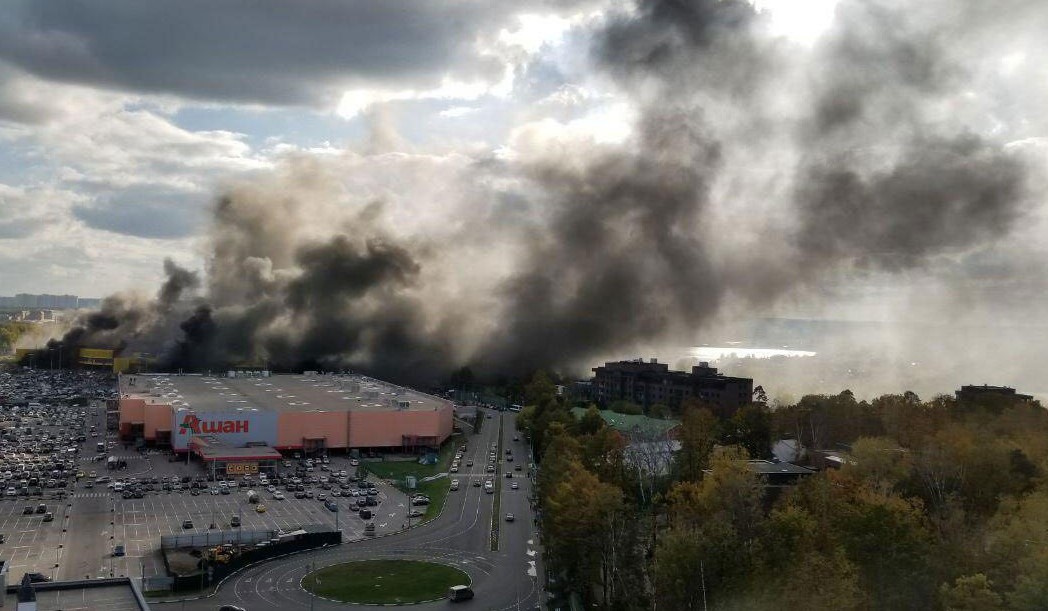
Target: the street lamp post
(312, 593)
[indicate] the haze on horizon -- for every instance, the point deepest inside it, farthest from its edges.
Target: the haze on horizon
(419, 185)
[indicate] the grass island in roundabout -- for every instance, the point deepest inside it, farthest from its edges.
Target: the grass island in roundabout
(384, 581)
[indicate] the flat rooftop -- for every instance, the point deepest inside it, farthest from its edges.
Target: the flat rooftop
(108, 594)
(283, 392)
(766, 467)
(209, 448)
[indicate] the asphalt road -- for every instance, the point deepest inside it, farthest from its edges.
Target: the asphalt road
(506, 579)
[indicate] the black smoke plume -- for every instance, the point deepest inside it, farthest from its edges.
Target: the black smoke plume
(754, 168)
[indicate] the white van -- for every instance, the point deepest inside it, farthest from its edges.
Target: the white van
(459, 593)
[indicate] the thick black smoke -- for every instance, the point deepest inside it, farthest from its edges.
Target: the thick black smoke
(124, 320)
(754, 168)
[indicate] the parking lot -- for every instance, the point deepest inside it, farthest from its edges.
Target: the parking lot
(90, 517)
(30, 543)
(138, 523)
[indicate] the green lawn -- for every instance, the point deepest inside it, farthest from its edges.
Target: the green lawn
(399, 469)
(384, 581)
(437, 491)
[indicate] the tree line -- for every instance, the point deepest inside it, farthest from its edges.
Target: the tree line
(937, 504)
(10, 333)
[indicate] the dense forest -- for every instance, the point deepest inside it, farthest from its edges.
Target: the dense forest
(939, 504)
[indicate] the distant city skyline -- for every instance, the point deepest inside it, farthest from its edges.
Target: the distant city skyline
(49, 301)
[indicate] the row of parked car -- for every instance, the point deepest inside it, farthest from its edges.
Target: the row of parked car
(46, 422)
(24, 386)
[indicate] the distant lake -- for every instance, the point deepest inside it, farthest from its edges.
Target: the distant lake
(713, 353)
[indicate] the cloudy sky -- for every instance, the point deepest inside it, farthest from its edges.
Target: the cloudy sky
(121, 119)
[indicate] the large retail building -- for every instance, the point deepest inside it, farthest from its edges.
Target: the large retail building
(250, 416)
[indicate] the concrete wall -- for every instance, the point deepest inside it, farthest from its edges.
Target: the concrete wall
(132, 410)
(156, 417)
(357, 429)
(293, 427)
(376, 429)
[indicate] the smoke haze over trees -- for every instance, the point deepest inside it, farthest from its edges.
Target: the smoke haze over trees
(754, 169)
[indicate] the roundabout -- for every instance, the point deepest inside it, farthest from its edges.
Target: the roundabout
(384, 581)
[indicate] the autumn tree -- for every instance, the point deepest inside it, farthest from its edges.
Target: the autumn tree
(970, 593)
(750, 428)
(698, 435)
(590, 422)
(713, 522)
(581, 526)
(879, 462)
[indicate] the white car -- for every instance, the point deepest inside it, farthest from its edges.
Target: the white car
(514, 485)
(278, 495)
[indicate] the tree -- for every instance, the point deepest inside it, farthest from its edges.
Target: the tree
(659, 411)
(678, 560)
(603, 454)
(971, 593)
(813, 579)
(750, 428)
(561, 451)
(888, 539)
(1031, 586)
(879, 462)
(626, 407)
(590, 422)
(730, 492)
(698, 435)
(540, 391)
(579, 510)
(526, 420)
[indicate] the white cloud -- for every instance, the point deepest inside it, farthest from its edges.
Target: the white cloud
(458, 111)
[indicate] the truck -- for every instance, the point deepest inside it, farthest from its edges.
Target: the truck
(252, 496)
